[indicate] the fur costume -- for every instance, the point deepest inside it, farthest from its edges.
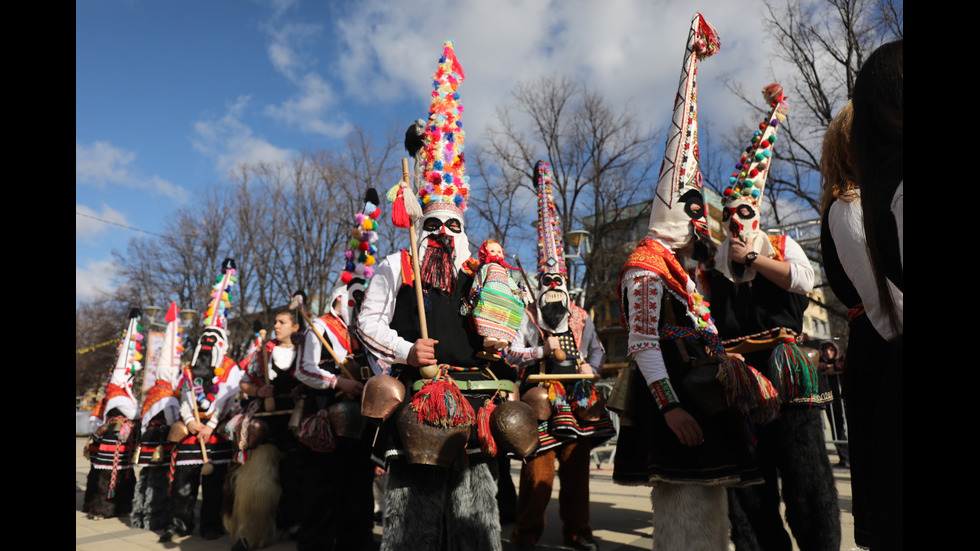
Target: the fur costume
(692, 518)
(433, 508)
(252, 518)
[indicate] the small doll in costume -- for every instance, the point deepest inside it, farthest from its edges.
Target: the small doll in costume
(496, 299)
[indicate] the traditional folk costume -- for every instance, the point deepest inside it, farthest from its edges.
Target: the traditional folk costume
(161, 409)
(441, 490)
(111, 479)
(678, 363)
(335, 450)
(207, 387)
(570, 433)
(869, 407)
(760, 320)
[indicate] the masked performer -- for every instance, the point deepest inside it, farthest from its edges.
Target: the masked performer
(758, 296)
(207, 388)
(111, 480)
(161, 409)
(441, 491)
(564, 434)
(679, 433)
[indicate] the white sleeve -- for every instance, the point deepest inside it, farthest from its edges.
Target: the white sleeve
(846, 222)
(374, 321)
(898, 211)
(522, 352)
(800, 269)
(309, 372)
(643, 292)
(595, 353)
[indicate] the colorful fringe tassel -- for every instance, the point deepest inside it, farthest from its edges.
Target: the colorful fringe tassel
(792, 372)
(556, 395)
(439, 403)
(584, 394)
(487, 442)
(748, 391)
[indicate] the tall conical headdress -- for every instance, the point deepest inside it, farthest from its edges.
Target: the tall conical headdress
(445, 186)
(217, 312)
(678, 206)
(162, 394)
(119, 387)
(551, 251)
(743, 197)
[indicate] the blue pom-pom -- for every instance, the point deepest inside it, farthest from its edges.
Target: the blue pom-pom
(450, 137)
(756, 192)
(459, 124)
(442, 59)
(774, 122)
(732, 180)
(456, 95)
(458, 200)
(756, 133)
(767, 152)
(437, 165)
(349, 266)
(447, 178)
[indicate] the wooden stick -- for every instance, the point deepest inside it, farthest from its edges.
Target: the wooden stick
(538, 377)
(416, 271)
(207, 468)
(427, 371)
(270, 402)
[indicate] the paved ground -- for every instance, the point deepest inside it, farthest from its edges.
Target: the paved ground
(620, 519)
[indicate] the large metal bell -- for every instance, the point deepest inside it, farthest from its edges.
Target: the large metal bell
(515, 428)
(381, 396)
(428, 445)
(346, 419)
(537, 398)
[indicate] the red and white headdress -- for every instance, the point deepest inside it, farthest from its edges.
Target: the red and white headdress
(678, 206)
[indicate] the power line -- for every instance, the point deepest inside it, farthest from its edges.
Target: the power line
(118, 224)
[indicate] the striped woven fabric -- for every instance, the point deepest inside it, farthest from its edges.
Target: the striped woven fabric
(497, 312)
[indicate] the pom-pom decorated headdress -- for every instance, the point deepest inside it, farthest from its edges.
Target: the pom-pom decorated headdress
(119, 388)
(551, 252)
(678, 206)
(445, 185)
(217, 312)
(362, 249)
(743, 196)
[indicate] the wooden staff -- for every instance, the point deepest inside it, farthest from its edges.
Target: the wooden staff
(428, 371)
(207, 468)
(270, 402)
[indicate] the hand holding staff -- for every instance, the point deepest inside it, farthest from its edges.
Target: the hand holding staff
(557, 353)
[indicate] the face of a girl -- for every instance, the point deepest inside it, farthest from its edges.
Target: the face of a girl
(495, 250)
(284, 327)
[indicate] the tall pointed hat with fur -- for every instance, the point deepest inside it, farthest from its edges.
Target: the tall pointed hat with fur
(678, 206)
(162, 396)
(551, 251)
(216, 316)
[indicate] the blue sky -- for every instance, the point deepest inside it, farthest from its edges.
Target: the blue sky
(171, 95)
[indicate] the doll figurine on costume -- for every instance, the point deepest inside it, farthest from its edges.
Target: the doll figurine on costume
(497, 304)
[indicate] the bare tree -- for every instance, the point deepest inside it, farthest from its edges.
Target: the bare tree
(601, 160)
(825, 42)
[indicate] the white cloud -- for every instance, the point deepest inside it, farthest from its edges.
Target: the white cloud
(86, 227)
(628, 50)
(230, 142)
(311, 108)
(101, 163)
(95, 279)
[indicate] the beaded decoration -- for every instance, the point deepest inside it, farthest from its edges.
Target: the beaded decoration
(551, 252)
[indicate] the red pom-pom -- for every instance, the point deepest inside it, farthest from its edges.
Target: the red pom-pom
(346, 277)
(375, 213)
(363, 246)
